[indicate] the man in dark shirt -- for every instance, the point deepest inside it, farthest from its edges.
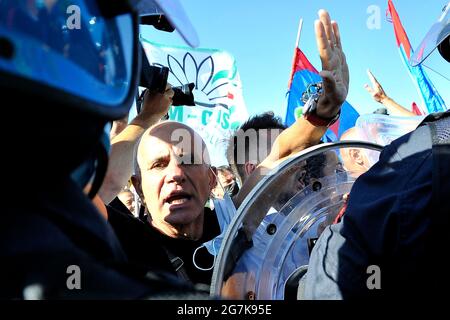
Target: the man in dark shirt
(174, 180)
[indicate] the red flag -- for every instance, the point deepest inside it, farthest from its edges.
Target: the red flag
(415, 109)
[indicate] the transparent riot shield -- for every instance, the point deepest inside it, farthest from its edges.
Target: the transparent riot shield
(383, 129)
(266, 248)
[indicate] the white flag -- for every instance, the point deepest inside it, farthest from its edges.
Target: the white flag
(219, 104)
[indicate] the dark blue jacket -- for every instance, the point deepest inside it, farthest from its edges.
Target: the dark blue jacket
(49, 230)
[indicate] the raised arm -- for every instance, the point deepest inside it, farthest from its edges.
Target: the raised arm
(380, 96)
(120, 166)
(303, 133)
(118, 126)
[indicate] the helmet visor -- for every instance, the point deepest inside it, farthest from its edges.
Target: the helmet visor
(175, 13)
(70, 47)
(438, 32)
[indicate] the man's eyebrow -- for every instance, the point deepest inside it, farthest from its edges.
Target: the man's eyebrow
(156, 159)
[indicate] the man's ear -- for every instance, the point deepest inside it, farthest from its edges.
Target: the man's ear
(136, 181)
(356, 156)
(212, 173)
(249, 167)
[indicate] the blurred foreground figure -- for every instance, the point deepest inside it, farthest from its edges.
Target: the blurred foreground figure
(70, 70)
(394, 233)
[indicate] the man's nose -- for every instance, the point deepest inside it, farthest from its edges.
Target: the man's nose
(175, 173)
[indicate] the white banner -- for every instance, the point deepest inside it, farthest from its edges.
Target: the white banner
(220, 106)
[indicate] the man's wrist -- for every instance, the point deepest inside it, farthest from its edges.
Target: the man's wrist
(319, 109)
(145, 121)
(385, 100)
(327, 110)
(319, 121)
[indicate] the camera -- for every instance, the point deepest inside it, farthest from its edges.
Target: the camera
(154, 79)
(183, 95)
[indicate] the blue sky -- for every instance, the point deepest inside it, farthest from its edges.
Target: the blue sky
(261, 35)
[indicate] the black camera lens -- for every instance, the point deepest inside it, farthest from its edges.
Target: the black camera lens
(183, 95)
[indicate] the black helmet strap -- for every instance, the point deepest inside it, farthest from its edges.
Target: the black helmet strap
(100, 170)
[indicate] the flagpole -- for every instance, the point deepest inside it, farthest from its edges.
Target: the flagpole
(299, 30)
(300, 24)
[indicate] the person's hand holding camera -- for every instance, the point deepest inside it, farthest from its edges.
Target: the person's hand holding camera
(155, 105)
(120, 167)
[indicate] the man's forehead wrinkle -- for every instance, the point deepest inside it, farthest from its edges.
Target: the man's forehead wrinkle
(157, 156)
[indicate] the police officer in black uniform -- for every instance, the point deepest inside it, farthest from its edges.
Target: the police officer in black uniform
(66, 70)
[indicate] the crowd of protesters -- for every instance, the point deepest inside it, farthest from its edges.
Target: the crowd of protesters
(154, 199)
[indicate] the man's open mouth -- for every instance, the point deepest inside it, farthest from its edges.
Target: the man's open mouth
(178, 198)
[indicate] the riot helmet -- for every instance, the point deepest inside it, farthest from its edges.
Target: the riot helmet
(69, 68)
(437, 37)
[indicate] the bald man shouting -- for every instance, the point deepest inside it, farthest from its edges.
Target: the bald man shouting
(174, 179)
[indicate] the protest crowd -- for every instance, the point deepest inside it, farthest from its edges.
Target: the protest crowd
(123, 205)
